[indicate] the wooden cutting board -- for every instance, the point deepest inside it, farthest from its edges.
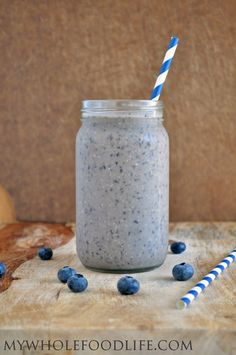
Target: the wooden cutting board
(35, 305)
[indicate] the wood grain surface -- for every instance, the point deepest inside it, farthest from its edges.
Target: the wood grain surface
(56, 53)
(38, 306)
(19, 242)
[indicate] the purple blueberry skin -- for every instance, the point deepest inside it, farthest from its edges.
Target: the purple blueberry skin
(3, 270)
(128, 285)
(178, 247)
(45, 253)
(65, 273)
(182, 272)
(77, 283)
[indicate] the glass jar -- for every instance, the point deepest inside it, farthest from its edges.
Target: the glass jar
(122, 185)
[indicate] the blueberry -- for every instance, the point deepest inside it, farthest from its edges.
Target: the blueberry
(65, 273)
(127, 285)
(178, 247)
(182, 272)
(77, 283)
(45, 253)
(3, 270)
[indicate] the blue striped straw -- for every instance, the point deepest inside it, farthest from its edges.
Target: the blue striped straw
(206, 281)
(164, 69)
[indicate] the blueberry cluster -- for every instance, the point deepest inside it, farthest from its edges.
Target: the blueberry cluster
(183, 271)
(126, 285)
(75, 282)
(78, 283)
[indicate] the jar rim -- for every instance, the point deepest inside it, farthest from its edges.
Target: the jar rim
(121, 105)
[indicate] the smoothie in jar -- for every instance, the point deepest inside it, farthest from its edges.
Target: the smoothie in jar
(122, 185)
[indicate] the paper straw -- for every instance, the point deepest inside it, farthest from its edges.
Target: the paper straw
(164, 69)
(206, 281)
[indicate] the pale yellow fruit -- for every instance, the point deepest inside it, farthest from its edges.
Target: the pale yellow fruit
(7, 209)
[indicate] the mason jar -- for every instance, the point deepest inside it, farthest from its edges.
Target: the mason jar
(122, 185)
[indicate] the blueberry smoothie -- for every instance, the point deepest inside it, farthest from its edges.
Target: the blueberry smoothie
(122, 185)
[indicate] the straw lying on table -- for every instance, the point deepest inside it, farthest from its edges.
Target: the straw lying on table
(164, 69)
(206, 281)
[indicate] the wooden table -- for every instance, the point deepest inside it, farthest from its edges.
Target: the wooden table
(35, 305)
